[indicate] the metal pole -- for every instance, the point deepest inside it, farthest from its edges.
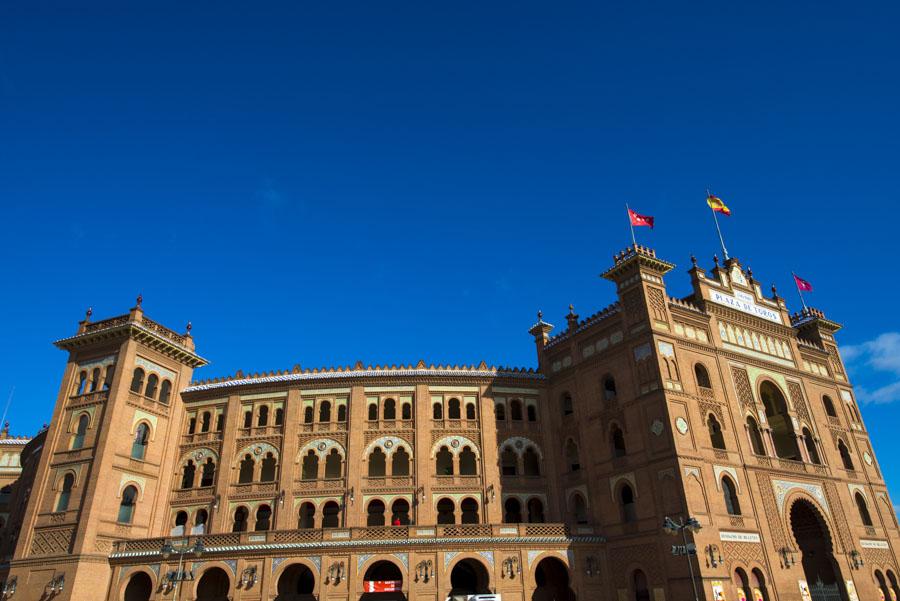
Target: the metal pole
(719, 230)
(800, 292)
(631, 225)
(690, 563)
(178, 575)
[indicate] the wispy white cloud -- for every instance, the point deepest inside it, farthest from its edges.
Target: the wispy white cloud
(881, 354)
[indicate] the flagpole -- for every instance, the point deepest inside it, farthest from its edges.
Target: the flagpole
(718, 229)
(631, 225)
(800, 292)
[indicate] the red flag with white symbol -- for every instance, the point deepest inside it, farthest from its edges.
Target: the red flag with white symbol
(640, 220)
(802, 284)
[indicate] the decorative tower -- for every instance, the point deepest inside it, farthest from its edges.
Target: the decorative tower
(106, 466)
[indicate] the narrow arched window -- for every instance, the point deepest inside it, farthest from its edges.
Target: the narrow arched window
(756, 440)
(108, 377)
(400, 513)
(205, 421)
(572, 456)
(716, 438)
(220, 422)
(515, 410)
(208, 474)
(845, 455)
(618, 441)
(269, 465)
(437, 411)
(453, 409)
(811, 449)
(446, 512)
(192, 425)
(248, 418)
(512, 511)
(509, 463)
(95, 379)
(400, 462)
(137, 380)
(127, 505)
(240, 520)
(279, 416)
(65, 493)
(470, 411)
(609, 388)
(308, 415)
(469, 511)
(245, 474)
(532, 413)
(181, 519)
(444, 462)
(375, 513)
(702, 376)
(324, 412)
(406, 411)
(535, 511)
(567, 408)
(626, 496)
(141, 439)
(80, 431)
(729, 492)
(373, 412)
(468, 465)
(389, 409)
(863, 509)
(579, 509)
(165, 391)
(829, 406)
(342, 413)
(500, 412)
(310, 470)
(377, 463)
(262, 418)
(307, 516)
(263, 518)
(331, 515)
(187, 476)
(152, 385)
(333, 464)
(531, 464)
(200, 522)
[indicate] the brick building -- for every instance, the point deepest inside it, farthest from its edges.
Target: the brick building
(720, 409)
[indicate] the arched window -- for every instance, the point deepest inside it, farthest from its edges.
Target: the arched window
(509, 463)
(200, 522)
(829, 406)
(192, 425)
(400, 462)
(127, 505)
(262, 418)
(444, 462)
(152, 385)
(702, 376)
(307, 517)
(579, 509)
(609, 388)
(453, 409)
(566, 401)
(532, 413)
(308, 415)
(437, 411)
(279, 416)
(187, 475)
(263, 518)
(780, 422)
(205, 421)
(863, 509)
(324, 412)
(342, 413)
(390, 409)
(220, 422)
(845, 455)
(715, 433)
(375, 513)
(400, 513)
(141, 438)
(80, 431)
(333, 465)
(268, 468)
(512, 511)
(246, 472)
(95, 379)
(165, 391)
(895, 586)
(500, 412)
(248, 418)
(535, 511)
(572, 456)
(469, 511)
(626, 496)
(137, 380)
(240, 520)
(639, 583)
(373, 412)
(65, 493)
(181, 519)
(515, 410)
(377, 463)
(406, 411)
(331, 515)
(729, 492)
(468, 465)
(618, 441)
(470, 410)
(531, 465)
(446, 512)
(811, 449)
(756, 440)
(885, 592)
(108, 377)
(208, 473)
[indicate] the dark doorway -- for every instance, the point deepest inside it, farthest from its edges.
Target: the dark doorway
(814, 543)
(551, 577)
(383, 572)
(213, 585)
(468, 577)
(296, 583)
(139, 588)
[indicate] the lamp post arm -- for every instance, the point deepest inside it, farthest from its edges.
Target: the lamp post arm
(690, 563)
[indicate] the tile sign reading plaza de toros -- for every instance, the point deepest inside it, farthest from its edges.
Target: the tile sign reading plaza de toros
(664, 448)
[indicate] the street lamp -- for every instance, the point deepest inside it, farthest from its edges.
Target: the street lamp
(672, 527)
(9, 588)
(174, 578)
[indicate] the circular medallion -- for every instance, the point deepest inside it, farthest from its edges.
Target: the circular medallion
(257, 451)
(681, 425)
(454, 443)
(519, 444)
(198, 456)
(657, 427)
(321, 446)
(867, 458)
(389, 444)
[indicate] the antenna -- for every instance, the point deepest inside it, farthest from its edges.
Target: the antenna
(8, 402)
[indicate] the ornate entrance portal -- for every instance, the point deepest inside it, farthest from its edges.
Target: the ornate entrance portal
(814, 542)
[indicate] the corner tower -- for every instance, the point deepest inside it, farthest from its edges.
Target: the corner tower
(108, 455)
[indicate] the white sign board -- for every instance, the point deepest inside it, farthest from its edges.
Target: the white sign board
(746, 303)
(739, 537)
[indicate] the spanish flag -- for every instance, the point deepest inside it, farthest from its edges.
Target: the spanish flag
(715, 203)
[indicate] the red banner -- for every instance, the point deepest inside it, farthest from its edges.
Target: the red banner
(382, 586)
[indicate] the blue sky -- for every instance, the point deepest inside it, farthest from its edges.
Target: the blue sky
(322, 183)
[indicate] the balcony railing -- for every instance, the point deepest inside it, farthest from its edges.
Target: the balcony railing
(213, 542)
(195, 494)
(254, 488)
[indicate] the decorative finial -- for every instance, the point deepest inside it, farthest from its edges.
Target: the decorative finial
(88, 313)
(693, 260)
(140, 299)
(774, 290)
(189, 327)
(571, 308)
(716, 260)
(540, 315)
(749, 272)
